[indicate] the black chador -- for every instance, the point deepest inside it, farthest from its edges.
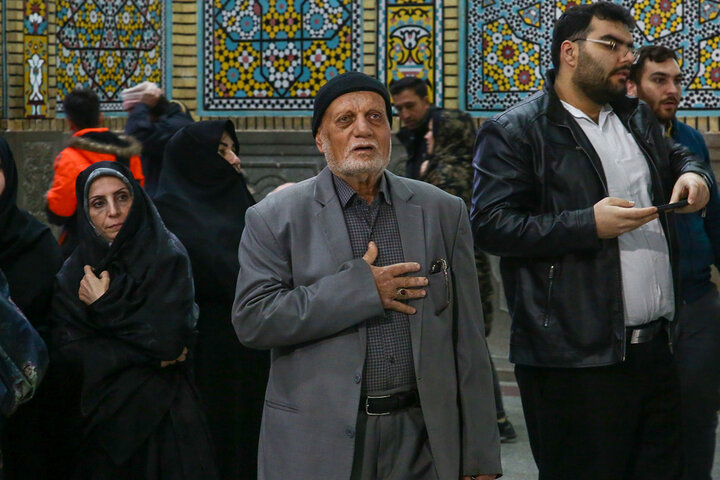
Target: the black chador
(139, 420)
(30, 257)
(203, 199)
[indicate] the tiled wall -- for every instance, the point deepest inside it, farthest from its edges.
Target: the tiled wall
(436, 39)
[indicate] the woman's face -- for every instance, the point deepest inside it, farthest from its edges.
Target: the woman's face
(429, 140)
(109, 202)
(225, 150)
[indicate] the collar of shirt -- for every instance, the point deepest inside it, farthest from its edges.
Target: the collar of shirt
(345, 192)
(605, 112)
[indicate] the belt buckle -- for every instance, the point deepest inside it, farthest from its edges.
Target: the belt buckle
(367, 405)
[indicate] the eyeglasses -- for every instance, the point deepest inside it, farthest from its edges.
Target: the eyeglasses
(621, 49)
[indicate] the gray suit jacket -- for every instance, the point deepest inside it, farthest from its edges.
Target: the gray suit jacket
(301, 293)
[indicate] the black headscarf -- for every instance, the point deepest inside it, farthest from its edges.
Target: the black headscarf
(203, 200)
(147, 315)
(29, 254)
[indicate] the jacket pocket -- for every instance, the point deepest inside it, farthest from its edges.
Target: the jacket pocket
(285, 407)
(548, 298)
(439, 290)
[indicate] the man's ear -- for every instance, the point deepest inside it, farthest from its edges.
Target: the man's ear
(318, 141)
(632, 88)
(569, 52)
(71, 125)
(100, 119)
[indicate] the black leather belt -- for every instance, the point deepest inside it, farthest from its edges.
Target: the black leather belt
(387, 404)
(644, 333)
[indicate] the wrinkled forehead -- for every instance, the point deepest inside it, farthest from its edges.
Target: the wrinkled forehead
(361, 101)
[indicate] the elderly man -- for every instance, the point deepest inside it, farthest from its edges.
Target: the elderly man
(363, 285)
(567, 189)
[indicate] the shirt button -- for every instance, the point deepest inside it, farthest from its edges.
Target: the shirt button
(391, 360)
(357, 378)
(349, 432)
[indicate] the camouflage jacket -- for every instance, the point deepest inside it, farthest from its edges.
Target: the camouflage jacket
(450, 169)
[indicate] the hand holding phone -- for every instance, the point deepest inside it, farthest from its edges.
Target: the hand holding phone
(668, 207)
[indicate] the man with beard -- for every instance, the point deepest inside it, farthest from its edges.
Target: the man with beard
(410, 97)
(363, 285)
(566, 188)
(656, 79)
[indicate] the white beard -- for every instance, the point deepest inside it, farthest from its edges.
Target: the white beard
(351, 166)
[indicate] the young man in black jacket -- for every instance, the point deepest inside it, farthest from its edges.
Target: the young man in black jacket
(566, 188)
(412, 103)
(657, 80)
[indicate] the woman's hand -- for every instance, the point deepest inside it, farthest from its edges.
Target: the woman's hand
(92, 287)
(424, 166)
(181, 358)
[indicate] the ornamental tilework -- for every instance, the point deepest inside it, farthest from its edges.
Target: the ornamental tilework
(410, 43)
(658, 19)
(506, 45)
(709, 10)
(511, 64)
(35, 58)
(109, 46)
(276, 54)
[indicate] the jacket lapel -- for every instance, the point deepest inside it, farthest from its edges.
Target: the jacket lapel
(411, 224)
(330, 218)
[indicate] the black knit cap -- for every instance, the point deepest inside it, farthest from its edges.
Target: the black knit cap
(346, 83)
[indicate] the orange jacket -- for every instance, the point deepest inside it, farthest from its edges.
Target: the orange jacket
(86, 147)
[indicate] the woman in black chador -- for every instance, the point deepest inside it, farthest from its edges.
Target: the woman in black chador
(30, 257)
(123, 321)
(29, 254)
(202, 197)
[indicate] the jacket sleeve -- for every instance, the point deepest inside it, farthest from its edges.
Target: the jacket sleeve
(682, 160)
(153, 135)
(506, 194)
(270, 310)
(712, 221)
(61, 199)
(138, 123)
(137, 170)
(480, 436)
(712, 213)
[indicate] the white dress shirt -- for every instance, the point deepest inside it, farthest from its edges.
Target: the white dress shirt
(644, 257)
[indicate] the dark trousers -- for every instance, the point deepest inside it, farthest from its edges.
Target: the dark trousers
(616, 422)
(393, 447)
(697, 356)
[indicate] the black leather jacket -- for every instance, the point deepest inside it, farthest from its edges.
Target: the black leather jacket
(537, 178)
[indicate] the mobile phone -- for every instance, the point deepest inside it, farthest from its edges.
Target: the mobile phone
(672, 206)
